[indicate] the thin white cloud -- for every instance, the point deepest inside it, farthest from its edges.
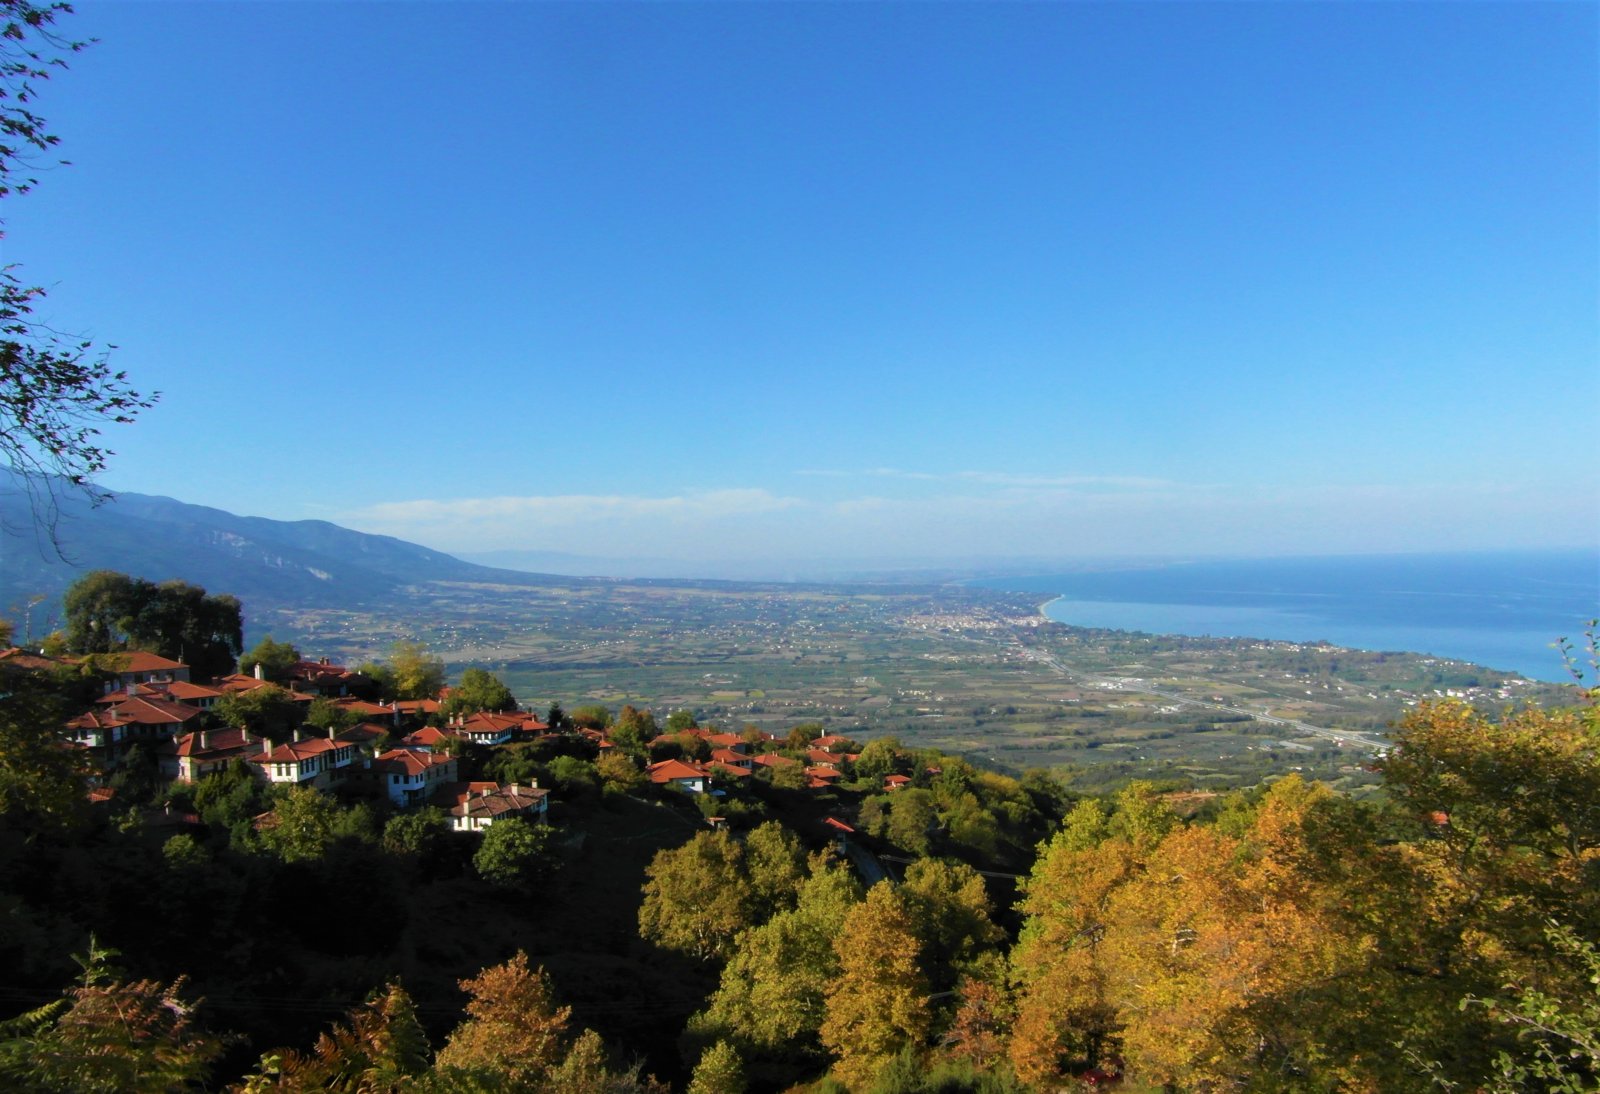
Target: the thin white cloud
(563, 509)
(1004, 479)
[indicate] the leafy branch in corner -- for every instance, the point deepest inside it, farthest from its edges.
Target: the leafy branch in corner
(56, 391)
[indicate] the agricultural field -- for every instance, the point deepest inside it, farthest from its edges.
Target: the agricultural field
(970, 671)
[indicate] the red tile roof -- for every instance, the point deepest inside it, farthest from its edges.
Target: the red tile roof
(298, 751)
(668, 770)
(217, 741)
(426, 737)
(17, 657)
(403, 761)
(154, 712)
(143, 661)
(490, 801)
(179, 690)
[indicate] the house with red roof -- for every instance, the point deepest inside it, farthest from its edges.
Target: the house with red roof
(729, 757)
(142, 667)
(484, 728)
(427, 739)
(173, 691)
(410, 777)
(895, 782)
(238, 681)
(319, 761)
(681, 774)
(109, 732)
(475, 806)
(323, 678)
(417, 708)
(193, 756)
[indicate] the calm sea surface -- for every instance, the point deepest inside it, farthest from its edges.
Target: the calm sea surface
(1503, 610)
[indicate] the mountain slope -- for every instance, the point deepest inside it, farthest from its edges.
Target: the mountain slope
(266, 563)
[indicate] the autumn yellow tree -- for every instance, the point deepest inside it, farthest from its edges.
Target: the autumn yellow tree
(379, 1049)
(878, 1004)
(513, 1029)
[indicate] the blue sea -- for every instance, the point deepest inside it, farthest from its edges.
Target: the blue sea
(1504, 610)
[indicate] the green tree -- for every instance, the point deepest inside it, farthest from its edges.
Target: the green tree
(418, 832)
(680, 720)
(42, 783)
(180, 621)
(416, 673)
(267, 710)
(950, 914)
(513, 854)
(697, 898)
(303, 826)
(590, 716)
(1558, 1036)
(776, 866)
(98, 608)
(325, 714)
(877, 759)
(478, 690)
(719, 1071)
(771, 998)
(619, 772)
(911, 820)
(275, 658)
(109, 611)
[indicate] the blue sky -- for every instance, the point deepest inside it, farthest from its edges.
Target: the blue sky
(861, 282)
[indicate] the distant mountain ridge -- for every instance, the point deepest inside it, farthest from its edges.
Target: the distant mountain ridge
(266, 563)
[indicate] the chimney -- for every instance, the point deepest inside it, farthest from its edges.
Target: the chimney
(330, 733)
(205, 739)
(266, 746)
(299, 735)
(261, 673)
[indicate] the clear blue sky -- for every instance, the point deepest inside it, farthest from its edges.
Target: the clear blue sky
(766, 281)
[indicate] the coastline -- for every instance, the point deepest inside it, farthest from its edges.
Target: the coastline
(1513, 651)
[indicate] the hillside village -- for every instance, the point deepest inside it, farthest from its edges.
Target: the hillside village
(410, 752)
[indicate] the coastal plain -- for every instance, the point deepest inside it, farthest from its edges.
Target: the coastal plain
(972, 671)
